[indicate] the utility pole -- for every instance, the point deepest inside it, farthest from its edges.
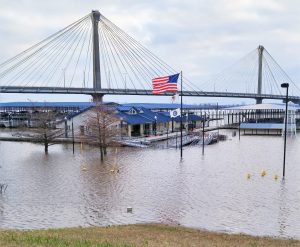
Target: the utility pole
(181, 116)
(73, 141)
(203, 133)
(259, 85)
(285, 85)
(239, 126)
(96, 57)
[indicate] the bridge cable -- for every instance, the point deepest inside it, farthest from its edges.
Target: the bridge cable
(32, 54)
(133, 55)
(54, 56)
(44, 40)
(108, 51)
(117, 57)
(129, 56)
(146, 50)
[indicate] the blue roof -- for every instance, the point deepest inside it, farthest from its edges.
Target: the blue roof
(121, 107)
(74, 114)
(133, 119)
(143, 116)
(160, 117)
(262, 126)
(124, 107)
(45, 104)
(80, 105)
(191, 117)
(163, 106)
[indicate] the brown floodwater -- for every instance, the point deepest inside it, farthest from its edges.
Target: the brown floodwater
(208, 192)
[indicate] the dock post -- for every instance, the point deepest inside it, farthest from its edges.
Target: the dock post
(239, 126)
(73, 141)
(168, 134)
(203, 135)
(66, 127)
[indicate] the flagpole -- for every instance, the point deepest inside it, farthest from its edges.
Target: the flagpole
(181, 116)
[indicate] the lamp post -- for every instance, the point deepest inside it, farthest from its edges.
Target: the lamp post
(285, 85)
(203, 133)
(155, 118)
(239, 126)
(73, 140)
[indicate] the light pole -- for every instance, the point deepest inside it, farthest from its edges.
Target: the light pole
(203, 133)
(285, 85)
(73, 140)
(239, 126)
(155, 118)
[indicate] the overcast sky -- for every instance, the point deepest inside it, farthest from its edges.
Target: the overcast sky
(196, 36)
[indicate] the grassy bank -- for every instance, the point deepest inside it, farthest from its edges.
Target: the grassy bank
(133, 235)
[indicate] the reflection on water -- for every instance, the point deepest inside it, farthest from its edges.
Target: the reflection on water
(210, 191)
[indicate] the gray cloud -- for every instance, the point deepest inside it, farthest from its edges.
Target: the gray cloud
(198, 37)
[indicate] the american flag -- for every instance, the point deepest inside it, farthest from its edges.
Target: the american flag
(165, 84)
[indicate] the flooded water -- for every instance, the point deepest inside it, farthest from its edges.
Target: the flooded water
(208, 192)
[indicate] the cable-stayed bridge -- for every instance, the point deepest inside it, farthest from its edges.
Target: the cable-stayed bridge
(94, 56)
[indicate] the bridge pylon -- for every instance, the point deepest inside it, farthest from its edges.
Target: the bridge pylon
(259, 82)
(96, 56)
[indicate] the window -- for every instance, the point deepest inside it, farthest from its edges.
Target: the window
(81, 129)
(132, 111)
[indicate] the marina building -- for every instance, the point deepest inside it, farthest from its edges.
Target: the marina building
(133, 120)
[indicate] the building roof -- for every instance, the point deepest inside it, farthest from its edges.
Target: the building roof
(164, 106)
(143, 116)
(273, 106)
(191, 117)
(122, 107)
(46, 104)
(261, 126)
(133, 119)
(80, 105)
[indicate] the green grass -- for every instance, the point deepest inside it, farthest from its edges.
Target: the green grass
(56, 238)
(134, 235)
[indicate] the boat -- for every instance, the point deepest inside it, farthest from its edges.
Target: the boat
(133, 143)
(186, 140)
(209, 139)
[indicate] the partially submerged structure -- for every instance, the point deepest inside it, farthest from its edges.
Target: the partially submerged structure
(267, 119)
(135, 121)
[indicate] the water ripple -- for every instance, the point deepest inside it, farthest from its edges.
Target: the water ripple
(211, 191)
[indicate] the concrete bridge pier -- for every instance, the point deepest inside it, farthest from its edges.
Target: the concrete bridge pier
(258, 100)
(97, 97)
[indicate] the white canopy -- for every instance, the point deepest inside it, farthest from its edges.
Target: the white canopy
(274, 106)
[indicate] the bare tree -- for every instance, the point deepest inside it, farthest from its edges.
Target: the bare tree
(45, 130)
(102, 124)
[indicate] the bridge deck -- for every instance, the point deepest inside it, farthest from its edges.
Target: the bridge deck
(91, 91)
